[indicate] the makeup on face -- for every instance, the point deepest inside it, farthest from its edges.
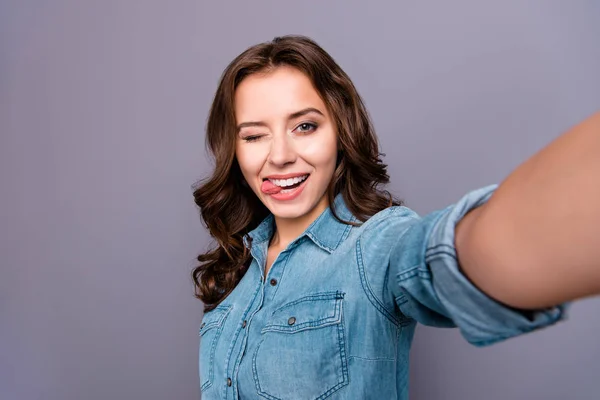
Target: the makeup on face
(287, 143)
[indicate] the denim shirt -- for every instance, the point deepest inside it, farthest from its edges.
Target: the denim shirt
(335, 317)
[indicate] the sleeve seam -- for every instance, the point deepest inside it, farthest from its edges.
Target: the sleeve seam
(369, 292)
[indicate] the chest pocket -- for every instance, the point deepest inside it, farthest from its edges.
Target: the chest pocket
(302, 352)
(210, 331)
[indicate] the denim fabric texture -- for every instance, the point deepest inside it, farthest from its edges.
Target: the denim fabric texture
(335, 317)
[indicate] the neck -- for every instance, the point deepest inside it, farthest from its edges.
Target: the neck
(288, 229)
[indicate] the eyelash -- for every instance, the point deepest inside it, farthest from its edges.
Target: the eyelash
(312, 125)
(253, 138)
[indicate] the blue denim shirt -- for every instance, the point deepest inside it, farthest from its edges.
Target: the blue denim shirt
(336, 314)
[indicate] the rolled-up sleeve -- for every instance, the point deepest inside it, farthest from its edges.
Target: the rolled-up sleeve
(428, 285)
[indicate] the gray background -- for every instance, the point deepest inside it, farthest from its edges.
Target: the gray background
(102, 109)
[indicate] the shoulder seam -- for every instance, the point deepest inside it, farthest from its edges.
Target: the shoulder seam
(380, 217)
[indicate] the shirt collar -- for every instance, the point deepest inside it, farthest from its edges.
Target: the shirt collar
(326, 231)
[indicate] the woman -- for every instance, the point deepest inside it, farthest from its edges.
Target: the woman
(319, 276)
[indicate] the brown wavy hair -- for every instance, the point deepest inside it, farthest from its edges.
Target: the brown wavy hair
(228, 206)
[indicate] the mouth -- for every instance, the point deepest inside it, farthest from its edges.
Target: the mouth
(289, 183)
(284, 189)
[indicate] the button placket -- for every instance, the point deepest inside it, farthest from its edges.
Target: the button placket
(240, 336)
(276, 272)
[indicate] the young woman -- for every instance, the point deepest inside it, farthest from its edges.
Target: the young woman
(319, 276)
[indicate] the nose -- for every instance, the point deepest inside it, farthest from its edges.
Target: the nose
(282, 150)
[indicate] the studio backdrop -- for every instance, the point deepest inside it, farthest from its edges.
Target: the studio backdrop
(102, 113)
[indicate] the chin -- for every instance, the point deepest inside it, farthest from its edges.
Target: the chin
(290, 210)
(289, 215)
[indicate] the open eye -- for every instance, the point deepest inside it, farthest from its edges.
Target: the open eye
(306, 127)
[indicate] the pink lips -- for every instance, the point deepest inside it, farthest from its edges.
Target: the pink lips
(275, 191)
(268, 187)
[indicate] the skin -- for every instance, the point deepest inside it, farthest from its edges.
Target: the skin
(272, 140)
(534, 244)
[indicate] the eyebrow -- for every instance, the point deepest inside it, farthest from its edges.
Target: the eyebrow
(294, 115)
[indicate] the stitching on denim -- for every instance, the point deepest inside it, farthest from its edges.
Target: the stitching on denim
(287, 259)
(342, 342)
(344, 362)
(225, 311)
(552, 319)
(344, 234)
(313, 297)
(338, 311)
(300, 327)
(409, 273)
(234, 340)
(259, 391)
(433, 255)
(340, 236)
(429, 249)
(401, 299)
(319, 323)
(319, 243)
(215, 318)
(369, 293)
(343, 358)
(372, 359)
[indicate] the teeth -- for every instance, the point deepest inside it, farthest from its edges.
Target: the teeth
(288, 182)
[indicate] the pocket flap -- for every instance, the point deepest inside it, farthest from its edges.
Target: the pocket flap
(309, 312)
(214, 319)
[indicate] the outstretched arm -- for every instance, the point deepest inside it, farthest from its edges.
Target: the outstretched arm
(536, 242)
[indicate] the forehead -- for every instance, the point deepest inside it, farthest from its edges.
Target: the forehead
(275, 94)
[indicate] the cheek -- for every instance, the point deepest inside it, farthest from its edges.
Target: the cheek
(321, 152)
(249, 159)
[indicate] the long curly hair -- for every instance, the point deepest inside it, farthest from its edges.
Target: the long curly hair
(230, 209)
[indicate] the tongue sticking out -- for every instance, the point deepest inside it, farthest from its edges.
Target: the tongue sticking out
(269, 188)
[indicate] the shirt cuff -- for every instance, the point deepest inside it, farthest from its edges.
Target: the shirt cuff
(481, 319)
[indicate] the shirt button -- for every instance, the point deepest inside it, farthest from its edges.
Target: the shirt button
(244, 324)
(291, 321)
(273, 282)
(228, 381)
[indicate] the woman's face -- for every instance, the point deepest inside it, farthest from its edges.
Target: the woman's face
(286, 143)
